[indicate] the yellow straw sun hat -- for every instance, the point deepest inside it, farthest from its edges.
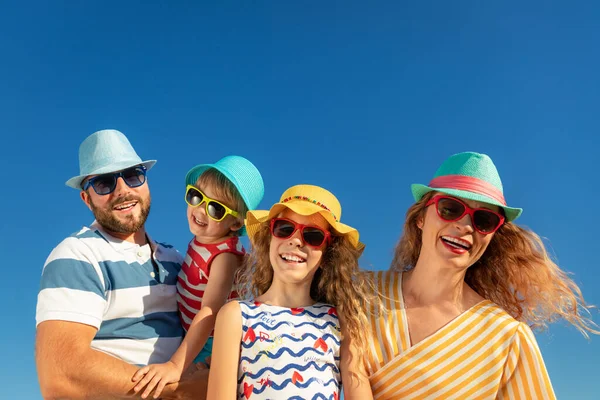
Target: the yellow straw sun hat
(305, 200)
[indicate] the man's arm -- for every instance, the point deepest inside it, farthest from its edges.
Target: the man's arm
(68, 368)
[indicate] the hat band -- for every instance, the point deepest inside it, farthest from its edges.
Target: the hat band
(468, 183)
(304, 198)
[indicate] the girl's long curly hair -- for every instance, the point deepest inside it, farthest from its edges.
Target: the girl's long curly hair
(515, 272)
(339, 281)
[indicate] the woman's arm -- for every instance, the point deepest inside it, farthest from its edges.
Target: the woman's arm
(354, 376)
(222, 381)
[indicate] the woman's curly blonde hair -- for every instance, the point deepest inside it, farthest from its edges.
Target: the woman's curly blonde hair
(515, 272)
(339, 281)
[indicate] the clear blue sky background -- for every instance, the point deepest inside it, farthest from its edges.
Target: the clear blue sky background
(363, 99)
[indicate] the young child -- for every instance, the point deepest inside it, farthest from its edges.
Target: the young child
(218, 197)
(287, 342)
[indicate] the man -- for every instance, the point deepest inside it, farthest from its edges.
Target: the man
(107, 302)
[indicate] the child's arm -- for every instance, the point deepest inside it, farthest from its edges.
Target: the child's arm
(354, 376)
(222, 380)
(217, 290)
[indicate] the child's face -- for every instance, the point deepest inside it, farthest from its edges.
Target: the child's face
(206, 229)
(294, 261)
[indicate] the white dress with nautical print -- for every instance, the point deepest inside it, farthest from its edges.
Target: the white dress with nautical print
(289, 353)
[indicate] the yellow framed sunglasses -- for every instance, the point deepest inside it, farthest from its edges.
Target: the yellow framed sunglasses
(214, 209)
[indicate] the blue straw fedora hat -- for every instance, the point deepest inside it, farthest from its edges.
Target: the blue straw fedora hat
(241, 172)
(471, 176)
(103, 152)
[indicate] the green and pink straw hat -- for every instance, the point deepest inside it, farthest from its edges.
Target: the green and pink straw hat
(471, 176)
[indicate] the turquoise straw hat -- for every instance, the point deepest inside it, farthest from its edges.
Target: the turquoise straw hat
(471, 176)
(103, 152)
(241, 172)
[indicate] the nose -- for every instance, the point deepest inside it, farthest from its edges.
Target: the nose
(465, 223)
(120, 186)
(296, 239)
(200, 208)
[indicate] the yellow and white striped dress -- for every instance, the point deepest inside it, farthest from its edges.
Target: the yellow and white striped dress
(484, 353)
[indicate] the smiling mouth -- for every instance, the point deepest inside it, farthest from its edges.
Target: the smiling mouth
(292, 258)
(125, 206)
(198, 222)
(456, 243)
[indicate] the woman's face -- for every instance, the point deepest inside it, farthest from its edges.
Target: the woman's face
(454, 243)
(294, 261)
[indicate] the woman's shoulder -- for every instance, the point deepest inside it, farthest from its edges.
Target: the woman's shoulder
(385, 277)
(493, 314)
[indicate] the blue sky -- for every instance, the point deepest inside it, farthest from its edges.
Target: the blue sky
(361, 99)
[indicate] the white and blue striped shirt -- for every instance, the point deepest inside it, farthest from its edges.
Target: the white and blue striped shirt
(95, 279)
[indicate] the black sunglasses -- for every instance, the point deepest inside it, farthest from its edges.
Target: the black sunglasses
(106, 183)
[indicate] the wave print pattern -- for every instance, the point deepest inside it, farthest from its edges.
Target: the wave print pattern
(297, 312)
(290, 324)
(287, 353)
(302, 385)
(282, 352)
(317, 396)
(296, 367)
(295, 339)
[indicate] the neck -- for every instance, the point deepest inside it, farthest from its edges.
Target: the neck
(431, 282)
(287, 295)
(138, 237)
(212, 239)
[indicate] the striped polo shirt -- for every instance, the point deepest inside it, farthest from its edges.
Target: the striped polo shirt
(98, 280)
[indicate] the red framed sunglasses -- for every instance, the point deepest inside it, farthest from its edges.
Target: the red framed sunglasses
(485, 221)
(313, 236)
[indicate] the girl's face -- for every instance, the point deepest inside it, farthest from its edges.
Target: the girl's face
(294, 261)
(454, 243)
(206, 229)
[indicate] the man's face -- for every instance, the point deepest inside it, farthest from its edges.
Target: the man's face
(124, 211)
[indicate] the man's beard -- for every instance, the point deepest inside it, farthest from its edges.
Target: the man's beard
(132, 224)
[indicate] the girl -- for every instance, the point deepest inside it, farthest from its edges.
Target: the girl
(288, 342)
(218, 196)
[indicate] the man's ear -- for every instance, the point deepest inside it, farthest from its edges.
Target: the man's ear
(85, 197)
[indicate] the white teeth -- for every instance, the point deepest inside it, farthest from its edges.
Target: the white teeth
(199, 222)
(457, 242)
(125, 206)
(291, 257)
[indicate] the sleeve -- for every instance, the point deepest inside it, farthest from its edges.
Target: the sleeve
(525, 375)
(72, 286)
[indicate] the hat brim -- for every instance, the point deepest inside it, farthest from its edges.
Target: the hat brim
(193, 174)
(75, 182)
(419, 190)
(256, 217)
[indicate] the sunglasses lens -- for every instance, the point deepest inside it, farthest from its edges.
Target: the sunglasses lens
(104, 184)
(215, 210)
(450, 209)
(193, 197)
(283, 228)
(134, 177)
(485, 221)
(313, 236)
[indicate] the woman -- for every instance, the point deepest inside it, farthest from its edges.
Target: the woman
(464, 287)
